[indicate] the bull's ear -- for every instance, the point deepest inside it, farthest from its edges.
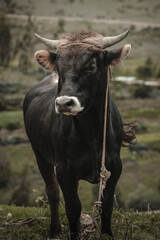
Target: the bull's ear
(115, 56)
(46, 59)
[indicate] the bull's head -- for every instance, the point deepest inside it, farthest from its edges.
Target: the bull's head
(81, 62)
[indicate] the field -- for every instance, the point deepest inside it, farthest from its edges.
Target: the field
(139, 10)
(20, 180)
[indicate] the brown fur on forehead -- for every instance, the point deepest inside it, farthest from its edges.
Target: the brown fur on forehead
(80, 36)
(74, 52)
(77, 50)
(71, 55)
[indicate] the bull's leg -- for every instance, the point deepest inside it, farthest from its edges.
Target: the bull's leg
(69, 186)
(107, 201)
(52, 190)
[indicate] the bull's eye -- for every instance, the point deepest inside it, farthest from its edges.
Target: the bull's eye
(92, 68)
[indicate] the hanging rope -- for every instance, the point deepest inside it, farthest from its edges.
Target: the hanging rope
(104, 176)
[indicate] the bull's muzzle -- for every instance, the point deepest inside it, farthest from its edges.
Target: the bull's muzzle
(68, 105)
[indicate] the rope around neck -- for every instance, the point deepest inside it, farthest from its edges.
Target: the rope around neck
(104, 175)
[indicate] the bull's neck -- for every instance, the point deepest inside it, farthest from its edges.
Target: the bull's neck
(93, 118)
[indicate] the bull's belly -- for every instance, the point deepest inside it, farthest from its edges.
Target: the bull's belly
(91, 171)
(91, 178)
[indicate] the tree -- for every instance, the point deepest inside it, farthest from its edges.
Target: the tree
(21, 196)
(5, 172)
(5, 41)
(26, 44)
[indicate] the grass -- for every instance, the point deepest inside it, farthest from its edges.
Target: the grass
(139, 168)
(11, 119)
(86, 195)
(14, 75)
(25, 231)
(127, 225)
(141, 113)
(21, 156)
(151, 138)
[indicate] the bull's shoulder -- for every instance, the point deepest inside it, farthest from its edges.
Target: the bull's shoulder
(115, 127)
(114, 112)
(45, 89)
(38, 110)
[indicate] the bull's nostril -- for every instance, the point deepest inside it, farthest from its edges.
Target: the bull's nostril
(64, 104)
(69, 103)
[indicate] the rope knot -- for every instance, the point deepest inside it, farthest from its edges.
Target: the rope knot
(105, 175)
(98, 204)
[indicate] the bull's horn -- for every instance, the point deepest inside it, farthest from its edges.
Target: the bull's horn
(109, 41)
(48, 42)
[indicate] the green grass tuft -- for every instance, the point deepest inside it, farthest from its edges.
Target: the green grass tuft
(127, 225)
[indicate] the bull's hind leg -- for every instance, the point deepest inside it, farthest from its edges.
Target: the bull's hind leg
(107, 200)
(69, 186)
(52, 190)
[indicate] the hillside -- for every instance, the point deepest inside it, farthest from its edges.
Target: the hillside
(138, 10)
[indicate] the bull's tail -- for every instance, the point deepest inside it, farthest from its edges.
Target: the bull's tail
(129, 136)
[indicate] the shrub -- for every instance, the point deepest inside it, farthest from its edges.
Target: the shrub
(5, 40)
(118, 198)
(5, 171)
(13, 140)
(10, 6)
(2, 103)
(11, 119)
(18, 139)
(61, 25)
(147, 70)
(21, 196)
(141, 128)
(25, 44)
(139, 147)
(13, 126)
(142, 198)
(158, 72)
(144, 71)
(142, 91)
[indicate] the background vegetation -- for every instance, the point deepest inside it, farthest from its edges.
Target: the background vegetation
(20, 181)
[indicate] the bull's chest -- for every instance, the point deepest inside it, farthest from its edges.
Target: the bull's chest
(80, 153)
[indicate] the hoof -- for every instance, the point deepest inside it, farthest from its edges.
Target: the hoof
(74, 236)
(56, 232)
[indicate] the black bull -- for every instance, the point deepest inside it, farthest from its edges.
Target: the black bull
(64, 123)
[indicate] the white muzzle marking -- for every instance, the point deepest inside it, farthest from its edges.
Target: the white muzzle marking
(68, 105)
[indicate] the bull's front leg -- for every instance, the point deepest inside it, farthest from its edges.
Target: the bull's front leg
(107, 200)
(69, 186)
